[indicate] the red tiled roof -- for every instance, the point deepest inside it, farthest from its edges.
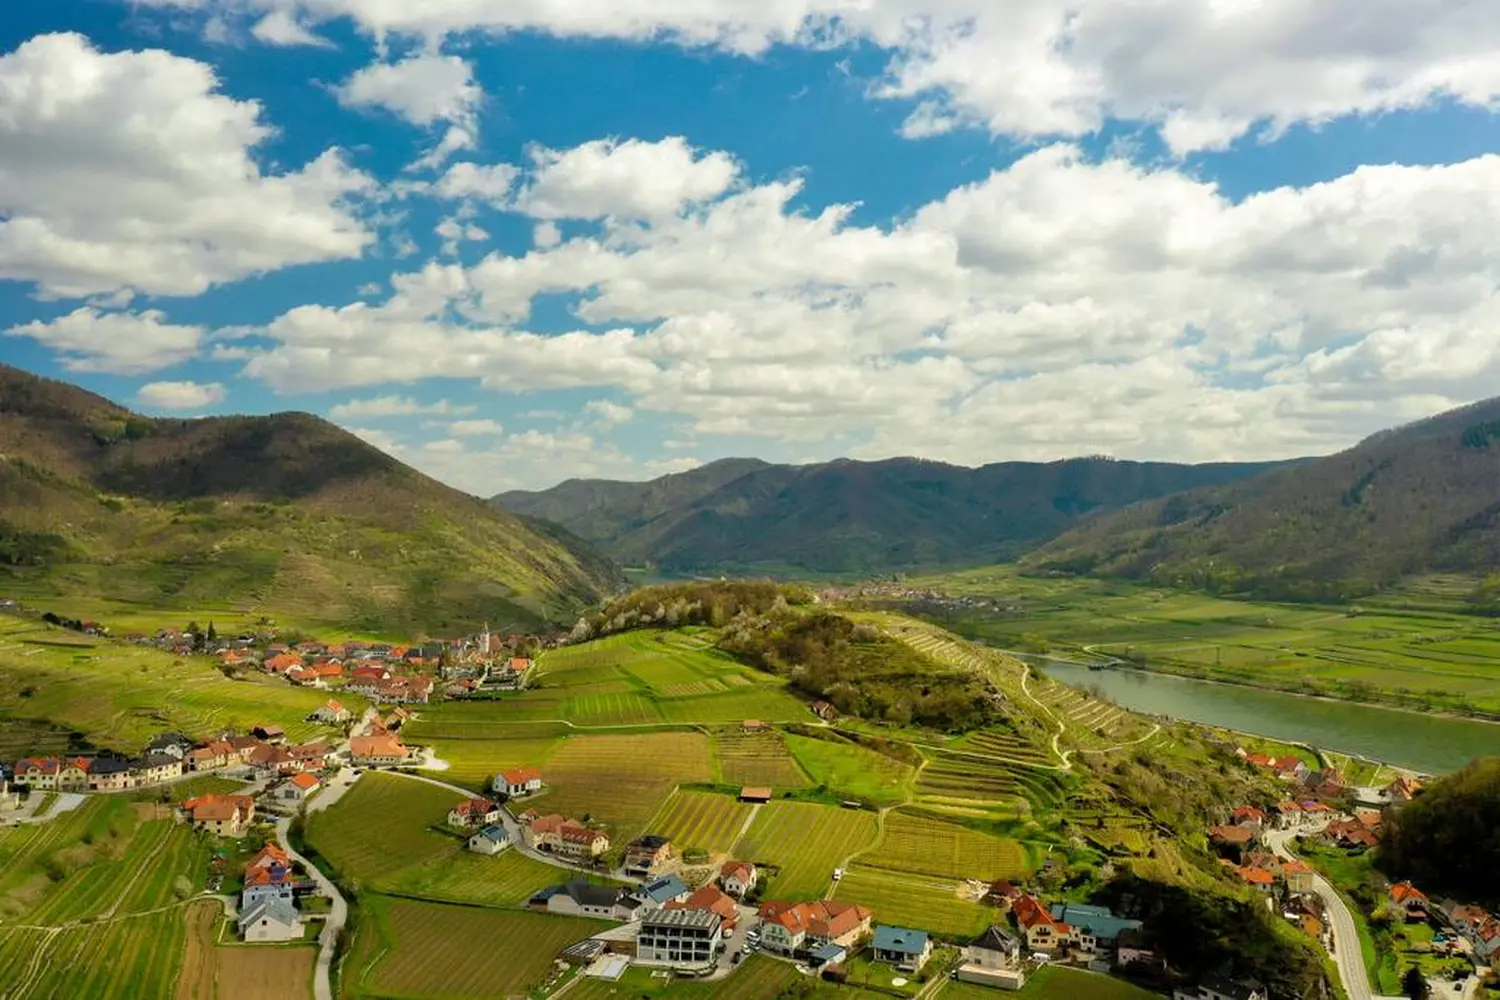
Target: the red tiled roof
(737, 869)
(305, 781)
(1256, 876)
(1405, 892)
(521, 776)
(376, 746)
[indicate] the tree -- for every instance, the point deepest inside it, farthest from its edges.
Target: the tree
(1414, 984)
(213, 635)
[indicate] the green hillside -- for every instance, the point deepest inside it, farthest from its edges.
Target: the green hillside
(1419, 499)
(851, 517)
(285, 514)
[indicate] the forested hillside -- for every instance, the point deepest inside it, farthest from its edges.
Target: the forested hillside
(1421, 498)
(285, 512)
(851, 517)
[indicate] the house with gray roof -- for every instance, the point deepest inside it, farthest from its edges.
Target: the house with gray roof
(270, 920)
(906, 949)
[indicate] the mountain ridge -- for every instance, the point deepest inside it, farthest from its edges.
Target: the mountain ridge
(851, 516)
(275, 512)
(1419, 498)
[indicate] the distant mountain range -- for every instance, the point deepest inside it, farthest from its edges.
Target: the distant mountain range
(847, 517)
(1417, 499)
(285, 514)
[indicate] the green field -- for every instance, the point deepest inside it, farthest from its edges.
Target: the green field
(807, 841)
(415, 949)
(920, 901)
(852, 771)
(119, 696)
(1415, 645)
(92, 904)
(381, 826)
(927, 846)
(648, 676)
(702, 820)
(1053, 982)
(459, 876)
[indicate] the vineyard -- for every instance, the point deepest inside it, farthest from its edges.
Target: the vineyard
(94, 903)
(914, 901)
(926, 846)
(953, 777)
(456, 952)
(623, 779)
(756, 758)
(382, 825)
(807, 841)
(703, 820)
(121, 696)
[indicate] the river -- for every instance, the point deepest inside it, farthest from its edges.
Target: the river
(1428, 743)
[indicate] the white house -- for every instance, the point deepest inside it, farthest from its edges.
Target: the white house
(489, 841)
(738, 878)
(271, 920)
(521, 781)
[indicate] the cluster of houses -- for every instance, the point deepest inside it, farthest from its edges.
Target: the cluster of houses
(385, 672)
(268, 903)
(1464, 928)
(264, 751)
(563, 836)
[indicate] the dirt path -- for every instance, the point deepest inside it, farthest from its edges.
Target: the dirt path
(744, 829)
(196, 981)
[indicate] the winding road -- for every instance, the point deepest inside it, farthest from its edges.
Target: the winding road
(1347, 954)
(337, 916)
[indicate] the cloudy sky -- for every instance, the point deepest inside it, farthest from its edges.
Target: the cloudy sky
(513, 241)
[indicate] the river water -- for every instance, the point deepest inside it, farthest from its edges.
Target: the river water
(1428, 743)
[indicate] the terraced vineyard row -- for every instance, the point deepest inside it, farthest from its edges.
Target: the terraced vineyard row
(954, 777)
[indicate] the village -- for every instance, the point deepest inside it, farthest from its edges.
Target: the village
(668, 912)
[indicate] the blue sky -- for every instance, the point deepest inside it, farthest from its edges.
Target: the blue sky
(514, 242)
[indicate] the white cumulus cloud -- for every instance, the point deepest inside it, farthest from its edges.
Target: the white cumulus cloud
(427, 89)
(180, 395)
(630, 179)
(1206, 73)
(130, 170)
(121, 343)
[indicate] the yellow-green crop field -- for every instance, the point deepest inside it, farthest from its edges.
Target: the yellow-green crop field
(416, 949)
(927, 846)
(623, 779)
(918, 901)
(703, 820)
(756, 758)
(807, 841)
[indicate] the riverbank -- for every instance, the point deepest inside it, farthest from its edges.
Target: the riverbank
(1424, 743)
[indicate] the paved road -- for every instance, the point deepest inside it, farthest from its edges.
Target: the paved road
(337, 916)
(1346, 950)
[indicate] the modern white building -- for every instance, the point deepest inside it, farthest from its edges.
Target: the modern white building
(688, 939)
